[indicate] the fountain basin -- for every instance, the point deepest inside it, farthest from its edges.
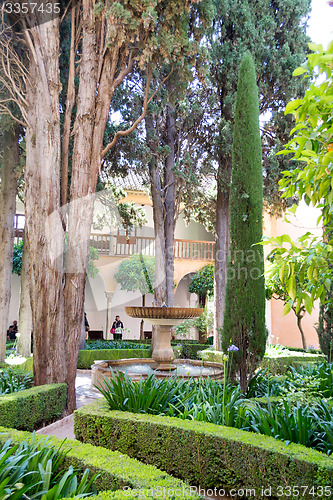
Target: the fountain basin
(137, 368)
(164, 315)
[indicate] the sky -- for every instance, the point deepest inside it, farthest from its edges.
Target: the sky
(320, 25)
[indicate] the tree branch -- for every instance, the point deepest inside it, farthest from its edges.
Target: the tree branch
(122, 133)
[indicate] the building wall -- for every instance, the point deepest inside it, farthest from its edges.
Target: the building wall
(284, 329)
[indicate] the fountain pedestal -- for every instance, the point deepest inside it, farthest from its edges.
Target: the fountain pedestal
(163, 353)
(163, 318)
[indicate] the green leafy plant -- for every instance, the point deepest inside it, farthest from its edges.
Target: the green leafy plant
(149, 395)
(32, 470)
(203, 283)
(13, 381)
(17, 257)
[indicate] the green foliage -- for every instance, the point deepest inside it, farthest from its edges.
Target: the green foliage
(137, 273)
(114, 344)
(311, 142)
(283, 364)
(302, 382)
(13, 381)
(228, 454)
(17, 257)
(92, 269)
(116, 212)
(30, 408)
(149, 395)
(87, 357)
(190, 351)
(33, 470)
(244, 25)
(118, 476)
(311, 146)
(244, 318)
(203, 283)
(204, 323)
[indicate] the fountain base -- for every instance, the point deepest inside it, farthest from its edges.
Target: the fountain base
(137, 368)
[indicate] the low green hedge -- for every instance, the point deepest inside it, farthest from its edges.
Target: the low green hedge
(116, 471)
(190, 351)
(29, 409)
(205, 454)
(275, 365)
(282, 364)
(87, 357)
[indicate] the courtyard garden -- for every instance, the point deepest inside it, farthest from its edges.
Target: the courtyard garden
(224, 111)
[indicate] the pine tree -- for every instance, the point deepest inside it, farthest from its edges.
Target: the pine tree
(244, 321)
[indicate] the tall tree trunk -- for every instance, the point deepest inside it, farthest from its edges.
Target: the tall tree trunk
(169, 204)
(158, 215)
(43, 232)
(221, 249)
(93, 103)
(10, 154)
(25, 316)
(81, 200)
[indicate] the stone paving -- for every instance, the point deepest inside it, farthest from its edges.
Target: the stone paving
(84, 394)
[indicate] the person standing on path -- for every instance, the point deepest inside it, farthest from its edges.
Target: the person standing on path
(117, 329)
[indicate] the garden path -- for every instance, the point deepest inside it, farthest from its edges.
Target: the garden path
(84, 395)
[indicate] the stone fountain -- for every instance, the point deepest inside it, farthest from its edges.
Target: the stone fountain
(163, 318)
(162, 361)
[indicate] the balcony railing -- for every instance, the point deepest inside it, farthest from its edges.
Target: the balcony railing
(118, 246)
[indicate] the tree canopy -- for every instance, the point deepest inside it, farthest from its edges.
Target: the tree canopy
(137, 273)
(311, 145)
(203, 283)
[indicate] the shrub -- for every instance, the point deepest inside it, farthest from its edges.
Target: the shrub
(115, 470)
(14, 381)
(115, 344)
(30, 408)
(203, 453)
(190, 351)
(283, 364)
(87, 357)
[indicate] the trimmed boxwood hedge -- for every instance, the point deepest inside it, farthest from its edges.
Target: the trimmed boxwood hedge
(190, 351)
(116, 470)
(87, 357)
(282, 364)
(29, 409)
(276, 366)
(205, 454)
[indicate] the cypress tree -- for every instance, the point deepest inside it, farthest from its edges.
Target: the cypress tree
(244, 321)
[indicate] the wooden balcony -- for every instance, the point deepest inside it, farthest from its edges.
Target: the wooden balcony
(116, 246)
